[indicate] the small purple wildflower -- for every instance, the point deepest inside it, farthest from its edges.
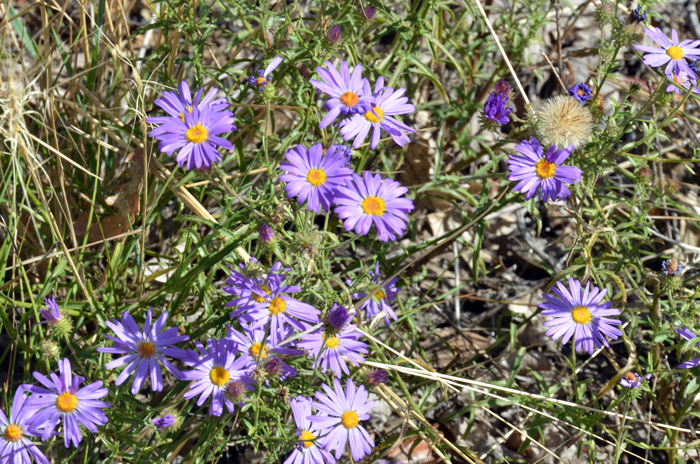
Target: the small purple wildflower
(250, 291)
(347, 92)
(371, 200)
(340, 413)
(672, 53)
(633, 380)
(15, 447)
(214, 368)
(307, 450)
(379, 302)
(63, 400)
(377, 377)
(580, 312)
(681, 80)
(495, 109)
(333, 35)
(313, 176)
(265, 233)
(537, 171)
(581, 92)
(380, 116)
(338, 317)
(259, 346)
(636, 16)
(163, 422)
(263, 76)
(145, 350)
(672, 267)
(329, 350)
(368, 13)
(52, 313)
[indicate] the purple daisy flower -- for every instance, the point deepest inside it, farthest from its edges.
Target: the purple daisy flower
(633, 380)
(262, 348)
(250, 291)
(329, 349)
(15, 447)
(581, 92)
(682, 80)
(52, 313)
(688, 334)
(339, 419)
(371, 199)
(537, 171)
(495, 109)
(313, 176)
(145, 350)
(196, 134)
(579, 312)
(379, 302)
(63, 400)
(672, 52)
(347, 92)
(262, 80)
(163, 422)
(307, 450)
(388, 103)
(214, 368)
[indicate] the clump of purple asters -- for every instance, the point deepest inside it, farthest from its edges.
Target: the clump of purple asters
(379, 302)
(346, 92)
(15, 446)
(339, 416)
(536, 171)
(144, 351)
(333, 35)
(633, 380)
(193, 128)
(64, 400)
(314, 177)
(671, 53)
(371, 200)
(581, 92)
(580, 314)
(263, 79)
(380, 116)
(308, 449)
(330, 347)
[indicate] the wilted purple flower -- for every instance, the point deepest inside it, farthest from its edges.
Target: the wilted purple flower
(377, 377)
(163, 422)
(495, 109)
(537, 171)
(52, 314)
(672, 52)
(379, 302)
(338, 317)
(250, 291)
(333, 34)
(347, 92)
(265, 233)
(368, 13)
(194, 131)
(281, 312)
(633, 380)
(314, 177)
(672, 267)
(380, 116)
(581, 92)
(681, 80)
(15, 447)
(339, 419)
(144, 350)
(308, 450)
(262, 80)
(262, 347)
(330, 349)
(63, 400)
(577, 311)
(371, 200)
(636, 15)
(214, 368)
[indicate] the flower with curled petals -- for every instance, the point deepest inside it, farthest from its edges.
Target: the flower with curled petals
(263, 75)
(347, 92)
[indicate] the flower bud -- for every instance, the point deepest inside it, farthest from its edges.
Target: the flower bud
(333, 35)
(377, 377)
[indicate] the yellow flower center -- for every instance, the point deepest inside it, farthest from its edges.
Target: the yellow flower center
(146, 349)
(581, 315)
(630, 376)
(13, 433)
(349, 99)
(197, 134)
(545, 169)
(260, 299)
(349, 419)
(256, 348)
(581, 92)
(218, 376)
(306, 438)
(676, 53)
(277, 306)
(67, 402)
(316, 177)
(374, 206)
(260, 81)
(182, 115)
(332, 342)
(371, 117)
(379, 295)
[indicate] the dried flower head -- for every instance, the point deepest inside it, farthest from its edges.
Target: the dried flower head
(563, 121)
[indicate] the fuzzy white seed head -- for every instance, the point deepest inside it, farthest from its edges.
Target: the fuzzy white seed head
(563, 121)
